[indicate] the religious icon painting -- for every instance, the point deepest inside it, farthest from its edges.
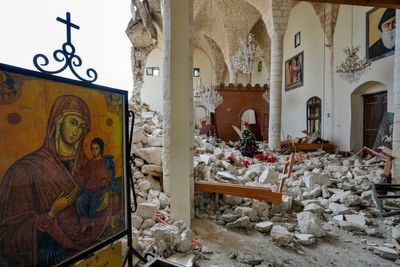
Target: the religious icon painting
(297, 39)
(381, 33)
(294, 72)
(63, 184)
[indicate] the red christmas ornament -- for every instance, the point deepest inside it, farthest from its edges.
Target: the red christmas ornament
(230, 158)
(246, 163)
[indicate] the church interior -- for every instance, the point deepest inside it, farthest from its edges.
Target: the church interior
(307, 84)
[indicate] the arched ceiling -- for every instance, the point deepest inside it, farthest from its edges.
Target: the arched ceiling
(218, 25)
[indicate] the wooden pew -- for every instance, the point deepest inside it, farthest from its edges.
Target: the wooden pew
(255, 192)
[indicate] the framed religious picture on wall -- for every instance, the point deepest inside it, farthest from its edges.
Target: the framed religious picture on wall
(381, 33)
(63, 167)
(297, 39)
(294, 68)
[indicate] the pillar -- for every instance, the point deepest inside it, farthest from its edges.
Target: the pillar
(233, 74)
(396, 93)
(276, 20)
(275, 94)
(178, 107)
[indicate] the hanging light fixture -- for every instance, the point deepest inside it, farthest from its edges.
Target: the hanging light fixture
(207, 96)
(244, 57)
(353, 67)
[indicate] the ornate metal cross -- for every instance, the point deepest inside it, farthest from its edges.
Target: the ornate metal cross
(69, 25)
(66, 55)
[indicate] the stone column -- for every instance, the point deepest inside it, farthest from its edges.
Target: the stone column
(275, 94)
(233, 75)
(328, 17)
(178, 107)
(276, 20)
(139, 57)
(396, 93)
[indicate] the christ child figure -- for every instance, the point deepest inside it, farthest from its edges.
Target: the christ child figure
(94, 197)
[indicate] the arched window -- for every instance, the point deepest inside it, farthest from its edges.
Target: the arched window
(314, 115)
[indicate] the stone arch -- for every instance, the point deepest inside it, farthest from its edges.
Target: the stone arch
(215, 55)
(357, 111)
(253, 120)
(201, 111)
(327, 14)
(264, 42)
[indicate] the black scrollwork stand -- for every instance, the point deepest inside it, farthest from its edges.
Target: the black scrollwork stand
(131, 250)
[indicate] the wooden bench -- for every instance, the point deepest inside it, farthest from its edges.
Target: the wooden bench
(387, 167)
(255, 192)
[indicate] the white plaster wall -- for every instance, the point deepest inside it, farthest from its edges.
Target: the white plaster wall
(207, 75)
(302, 19)
(152, 88)
(381, 71)
(259, 77)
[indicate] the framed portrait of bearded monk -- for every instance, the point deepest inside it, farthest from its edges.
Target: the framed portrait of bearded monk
(381, 33)
(63, 168)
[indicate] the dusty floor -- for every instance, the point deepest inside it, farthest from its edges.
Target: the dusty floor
(346, 250)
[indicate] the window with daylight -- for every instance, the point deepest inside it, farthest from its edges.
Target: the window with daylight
(314, 115)
(153, 71)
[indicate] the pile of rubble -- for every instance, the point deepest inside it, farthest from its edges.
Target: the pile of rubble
(325, 191)
(152, 230)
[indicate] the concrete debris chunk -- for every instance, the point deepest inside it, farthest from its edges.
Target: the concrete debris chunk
(351, 227)
(396, 233)
(147, 210)
(281, 236)
(148, 168)
(304, 239)
(350, 200)
(309, 223)
(386, 253)
(151, 155)
(187, 260)
(169, 233)
(232, 200)
(339, 209)
(227, 177)
(356, 219)
(185, 244)
(264, 227)
(314, 208)
(312, 179)
(268, 176)
(248, 258)
(242, 222)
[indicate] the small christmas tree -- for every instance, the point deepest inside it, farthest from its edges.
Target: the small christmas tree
(247, 144)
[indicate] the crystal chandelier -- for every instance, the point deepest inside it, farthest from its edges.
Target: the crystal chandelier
(353, 67)
(245, 55)
(207, 96)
